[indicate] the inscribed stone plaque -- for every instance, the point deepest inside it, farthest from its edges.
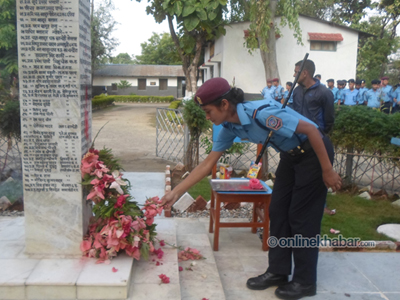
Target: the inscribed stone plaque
(55, 96)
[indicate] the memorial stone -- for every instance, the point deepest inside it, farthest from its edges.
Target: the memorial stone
(54, 59)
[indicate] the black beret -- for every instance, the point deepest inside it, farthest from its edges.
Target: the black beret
(358, 82)
(351, 80)
(375, 81)
(212, 90)
(289, 83)
(318, 75)
(331, 80)
(362, 80)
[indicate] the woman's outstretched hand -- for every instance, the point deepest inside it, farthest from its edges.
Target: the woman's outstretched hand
(168, 200)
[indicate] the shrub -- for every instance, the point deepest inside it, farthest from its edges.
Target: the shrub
(139, 98)
(101, 102)
(123, 84)
(366, 129)
(175, 104)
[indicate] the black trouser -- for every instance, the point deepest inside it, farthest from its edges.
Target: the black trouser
(297, 207)
(386, 107)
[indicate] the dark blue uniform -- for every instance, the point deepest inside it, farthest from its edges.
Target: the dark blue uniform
(299, 193)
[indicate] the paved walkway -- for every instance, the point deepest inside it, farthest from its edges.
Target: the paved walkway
(223, 275)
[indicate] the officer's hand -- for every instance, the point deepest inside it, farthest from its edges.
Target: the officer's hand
(332, 180)
(168, 200)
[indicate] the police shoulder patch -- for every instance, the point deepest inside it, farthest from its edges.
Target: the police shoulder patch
(274, 122)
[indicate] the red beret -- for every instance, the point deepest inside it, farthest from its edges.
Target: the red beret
(385, 78)
(269, 80)
(212, 90)
(275, 79)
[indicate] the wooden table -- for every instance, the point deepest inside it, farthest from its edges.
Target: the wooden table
(260, 199)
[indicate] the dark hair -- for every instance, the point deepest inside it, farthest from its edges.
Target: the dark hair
(309, 66)
(234, 96)
(289, 83)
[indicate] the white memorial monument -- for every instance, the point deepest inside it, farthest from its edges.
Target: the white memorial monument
(55, 95)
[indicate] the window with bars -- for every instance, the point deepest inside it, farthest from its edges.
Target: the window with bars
(163, 84)
(323, 46)
(141, 84)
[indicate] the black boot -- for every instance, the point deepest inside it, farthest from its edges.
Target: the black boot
(266, 280)
(294, 290)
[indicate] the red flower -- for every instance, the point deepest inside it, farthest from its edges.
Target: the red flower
(91, 150)
(180, 269)
(157, 263)
(162, 243)
(159, 253)
(164, 278)
(120, 201)
(114, 270)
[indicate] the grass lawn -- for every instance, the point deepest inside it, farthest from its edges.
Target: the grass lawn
(202, 188)
(355, 216)
(358, 217)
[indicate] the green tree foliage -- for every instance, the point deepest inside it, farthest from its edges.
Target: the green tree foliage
(8, 39)
(122, 59)
(102, 27)
(373, 57)
(263, 29)
(123, 84)
(159, 50)
(195, 119)
(237, 11)
(198, 21)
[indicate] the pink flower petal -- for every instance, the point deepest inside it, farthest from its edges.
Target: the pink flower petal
(114, 270)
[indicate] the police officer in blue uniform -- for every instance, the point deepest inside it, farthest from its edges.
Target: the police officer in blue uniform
(303, 175)
(386, 95)
(373, 96)
(318, 76)
(278, 93)
(349, 96)
(396, 98)
(339, 94)
(360, 86)
(286, 94)
(333, 89)
(268, 91)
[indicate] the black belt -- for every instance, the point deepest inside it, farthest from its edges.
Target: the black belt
(301, 149)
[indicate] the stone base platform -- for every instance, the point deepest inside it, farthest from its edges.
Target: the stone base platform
(22, 277)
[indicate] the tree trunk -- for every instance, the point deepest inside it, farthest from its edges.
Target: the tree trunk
(268, 56)
(189, 64)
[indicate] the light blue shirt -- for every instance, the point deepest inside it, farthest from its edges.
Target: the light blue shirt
(350, 97)
(396, 95)
(282, 121)
(373, 98)
(285, 94)
(386, 95)
(267, 92)
(335, 92)
(278, 93)
(340, 96)
(361, 95)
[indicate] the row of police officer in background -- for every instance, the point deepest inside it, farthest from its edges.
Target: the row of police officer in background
(381, 96)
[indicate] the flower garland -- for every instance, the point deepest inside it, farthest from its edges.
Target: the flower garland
(118, 223)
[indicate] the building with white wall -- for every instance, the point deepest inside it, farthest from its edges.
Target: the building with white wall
(332, 47)
(154, 80)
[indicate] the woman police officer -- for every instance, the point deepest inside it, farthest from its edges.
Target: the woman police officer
(304, 173)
